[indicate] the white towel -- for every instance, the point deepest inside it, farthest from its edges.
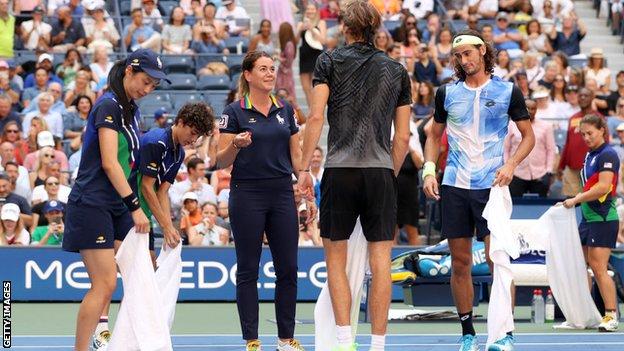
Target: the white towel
(146, 312)
(503, 244)
(357, 265)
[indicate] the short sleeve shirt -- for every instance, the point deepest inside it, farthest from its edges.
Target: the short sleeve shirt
(569, 45)
(366, 87)
(20, 201)
(158, 158)
(476, 123)
(268, 156)
(73, 32)
(92, 185)
(603, 159)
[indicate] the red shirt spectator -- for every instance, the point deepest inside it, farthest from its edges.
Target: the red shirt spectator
(332, 11)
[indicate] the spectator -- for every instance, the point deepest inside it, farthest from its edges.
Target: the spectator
(521, 80)
(70, 66)
(389, 9)
(100, 67)
(45, 139)
(12, 231)
(58, 106)
(67, 33)
(615, 95)
(137, 35)
(209, 43)
(458, 9)
(152, 16)
(597, 70)
(408, 23)
(229, 12)
(6, 113)
(309, 234)
(51, 189)
(432, 30)
(177, 35)
(51, 234)
(82, 86)
(534, 71)
(409, 48)
(534, 173)
(506, 38)
(288, 51)
(600, 98)
(209, 12)
(7, 31)
(280, 11)
(419, 8)
(614, 121)
(331, 11)
(550, 72)
(9, 85)
(394, 52)
(160, 118)
(7, 196)
(42, 79)
(503, 65)
(568, 40)
(262, 40)
(54, 5)
(43, 167)
(487, 31)
(18, 175)
(11, 133)
(101, 31)
(382, 39)
(74, 162)
(473, 22)
(424, 101)
(192, 7)
(75, 119)
(548, 18)
(191, 214)
(207, 232)
(44, 61)
(316, 171)
(224, 213)
(220, 179)
(427, 66)
(536, 39)
(35, 32)
(545, 109)
(26, 7)
(557, 93)
(53, 119)
(484, 8)
(196, 183)
(574, 150)
(571, 96)
(76, 8)
(524, 15)
(313, 32)
(443, 47)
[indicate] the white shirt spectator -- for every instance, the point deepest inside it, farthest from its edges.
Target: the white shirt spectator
(420, 11)
(230, 17)
(600, 77)
(53, 119)
(177, 190)
(485, 5)
(22, 184)
(39, 193)
(212, 236)
(538, 7)
(42, 29)
(153, 19)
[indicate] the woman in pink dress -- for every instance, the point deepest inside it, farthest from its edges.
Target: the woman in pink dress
(276, 11)
(285, 79)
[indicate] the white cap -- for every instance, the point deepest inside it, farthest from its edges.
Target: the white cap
(540, 93)
(45, 56)
(10, 212)
(190, 196)
(45, 138)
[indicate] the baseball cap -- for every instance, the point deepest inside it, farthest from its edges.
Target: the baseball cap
(45, 138)
(501, 14)
(52, 206)
(4, 64)
(45, 56)
(160, 113)
(10, 212)
(92, 5)
(226, 2)
(189, 196)
(540, 93)
(38, 9)
(149, 62)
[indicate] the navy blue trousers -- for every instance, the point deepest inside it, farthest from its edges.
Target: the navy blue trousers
(258, 207)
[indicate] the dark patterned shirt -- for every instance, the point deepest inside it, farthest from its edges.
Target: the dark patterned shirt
(366, 87)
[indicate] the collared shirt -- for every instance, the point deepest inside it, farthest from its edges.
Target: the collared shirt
(509, 44)
(92, 185)
(158, 158)
(268, 156)
(7, 31)
(569, 45)
(602, 159)
(144, 31)
(73, 32)
(541, 160)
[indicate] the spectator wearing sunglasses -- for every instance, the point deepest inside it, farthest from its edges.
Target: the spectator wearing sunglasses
(51, 190)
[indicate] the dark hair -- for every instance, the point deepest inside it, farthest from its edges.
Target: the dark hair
(4, 176)
(76, 101)
(77, 53)
(115, 84)
(248, 64)
(508, 59)
(136, 9)
(401, 32)
(11, 163)
(262, 23)
(285, 35)
(563, 91)
(425, 100)
(529, 23)
(488, 59)
(562, 56)
(192, 163)
(319, 149)
(406, 38)
(171, 14)
(598, 122)
(198, 116)
(362, 19)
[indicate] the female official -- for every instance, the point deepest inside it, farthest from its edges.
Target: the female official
(102, 207)
(599, 226)
(259, 136)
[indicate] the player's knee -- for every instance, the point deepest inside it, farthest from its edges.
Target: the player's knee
(105, 287)
(461, 264)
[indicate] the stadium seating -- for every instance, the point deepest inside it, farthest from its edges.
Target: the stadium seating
(216, 82)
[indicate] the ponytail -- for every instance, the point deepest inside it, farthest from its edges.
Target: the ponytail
(243, 85)
(115, 84)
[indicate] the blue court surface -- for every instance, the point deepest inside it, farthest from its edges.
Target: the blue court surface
(526, 341)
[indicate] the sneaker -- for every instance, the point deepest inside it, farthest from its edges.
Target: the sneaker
(292, 345)
(504, 344)
(608, 324)
(254, 345)
(100, 341)
(353, 347)
(469, 343)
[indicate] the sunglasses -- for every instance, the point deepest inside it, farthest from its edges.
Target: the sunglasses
(12, 131)
(48, 155)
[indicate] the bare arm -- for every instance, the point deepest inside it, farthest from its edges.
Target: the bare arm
(400, 141)
(601, 188)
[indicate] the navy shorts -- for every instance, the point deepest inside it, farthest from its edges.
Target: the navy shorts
(599, 234)
(90, 227)
(462, 212)
(370, 193)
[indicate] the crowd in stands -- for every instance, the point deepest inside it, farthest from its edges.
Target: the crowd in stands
(55, 56)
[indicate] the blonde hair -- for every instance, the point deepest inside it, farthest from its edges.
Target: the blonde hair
(19, 230)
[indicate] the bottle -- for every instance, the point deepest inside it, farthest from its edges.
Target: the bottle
(549, 312)
(537, 307)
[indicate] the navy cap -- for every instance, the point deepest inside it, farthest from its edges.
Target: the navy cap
(149, 62)
(52, 206)
(160, 113)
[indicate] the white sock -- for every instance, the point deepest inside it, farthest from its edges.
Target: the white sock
(378, 342)
(343, 333)
(102, 325)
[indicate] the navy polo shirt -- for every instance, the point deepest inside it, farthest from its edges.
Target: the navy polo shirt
(571, 45)
(158, 158)
(92, 185)
(268, 156)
